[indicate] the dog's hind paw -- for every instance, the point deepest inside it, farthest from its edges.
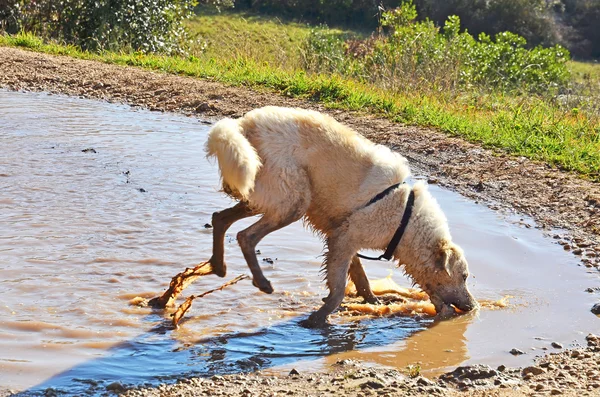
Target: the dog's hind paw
(265, 286)
(218, 269)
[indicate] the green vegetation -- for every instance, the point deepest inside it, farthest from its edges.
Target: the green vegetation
(419, 55)
(138, 25)
(585, 71)
(242, 35)
(531, 126)
(413, 370)
(571, 23)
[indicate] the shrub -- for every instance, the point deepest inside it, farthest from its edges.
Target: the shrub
(139, 25)
(418, 54)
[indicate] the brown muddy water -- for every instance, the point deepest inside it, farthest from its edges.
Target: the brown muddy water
(83, 232)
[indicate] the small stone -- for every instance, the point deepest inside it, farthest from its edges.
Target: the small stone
(555, 392)
(577, 251)
(516, 352)
(142, 190)
(424, 381)
(556, 345)
(50, 392)
(532, 370)
(207, 226)
(539, 387)
(372, 385)
(89, 150)
(596, 309)
(501, 368)
(203, 107)
(116, 387)
(293, 372)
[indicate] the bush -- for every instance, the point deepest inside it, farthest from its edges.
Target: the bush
(532, 19)
(139, 25)
(418, 54)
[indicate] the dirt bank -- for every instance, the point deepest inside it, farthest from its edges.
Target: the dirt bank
(554, 199)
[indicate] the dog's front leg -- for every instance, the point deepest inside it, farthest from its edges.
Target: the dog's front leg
(337, 264)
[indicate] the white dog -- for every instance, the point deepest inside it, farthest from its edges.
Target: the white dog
(288, 164)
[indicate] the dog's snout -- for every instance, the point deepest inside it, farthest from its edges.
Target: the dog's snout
(467, 305)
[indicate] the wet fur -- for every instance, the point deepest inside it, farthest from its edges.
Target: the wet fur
(290, 164)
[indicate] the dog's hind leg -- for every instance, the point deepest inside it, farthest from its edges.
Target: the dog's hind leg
(250, 237)
(221, 221)
(361, 282)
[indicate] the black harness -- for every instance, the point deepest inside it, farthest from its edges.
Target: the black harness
(389, 251)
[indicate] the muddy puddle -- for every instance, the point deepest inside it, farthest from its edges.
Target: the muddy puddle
(84, 231)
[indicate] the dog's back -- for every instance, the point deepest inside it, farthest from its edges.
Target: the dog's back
(300, 154)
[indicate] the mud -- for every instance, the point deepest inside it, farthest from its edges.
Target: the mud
(562, 204)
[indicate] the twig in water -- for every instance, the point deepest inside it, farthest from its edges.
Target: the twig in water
(184, 307)
(179, 283)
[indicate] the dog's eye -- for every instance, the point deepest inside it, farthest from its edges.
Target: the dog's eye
(465, 276)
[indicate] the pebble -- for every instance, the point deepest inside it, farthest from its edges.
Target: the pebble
(371, 384)
(116, 387)
(596, 309)
(539, 387)
(516, 352)
(556, 345)
(533, 370)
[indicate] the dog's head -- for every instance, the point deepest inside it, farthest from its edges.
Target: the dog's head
(447, 284)
(431, 258)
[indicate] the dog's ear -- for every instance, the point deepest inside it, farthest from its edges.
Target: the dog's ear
(443, 260)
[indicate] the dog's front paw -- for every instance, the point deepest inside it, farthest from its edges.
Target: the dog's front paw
(314, 321)
(371, 300)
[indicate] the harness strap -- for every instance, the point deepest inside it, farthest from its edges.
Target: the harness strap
(389, 251)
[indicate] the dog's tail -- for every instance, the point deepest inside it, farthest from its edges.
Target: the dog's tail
(238, 161)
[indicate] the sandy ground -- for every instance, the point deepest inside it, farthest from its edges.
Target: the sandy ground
(555, 200)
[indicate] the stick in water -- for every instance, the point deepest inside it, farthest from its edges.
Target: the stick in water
(184, 307)
(179, 283)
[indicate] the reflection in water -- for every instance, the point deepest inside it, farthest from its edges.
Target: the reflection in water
(82, 233)
(153, 358)
(442, 346)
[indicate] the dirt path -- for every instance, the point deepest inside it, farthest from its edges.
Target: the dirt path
(554, 199)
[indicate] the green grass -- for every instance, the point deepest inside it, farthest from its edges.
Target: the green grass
(531, 127)
(232, 34)
(585, 71)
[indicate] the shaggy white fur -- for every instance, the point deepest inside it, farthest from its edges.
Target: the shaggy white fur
(306, 157)
(289, 164)
(238, 161)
